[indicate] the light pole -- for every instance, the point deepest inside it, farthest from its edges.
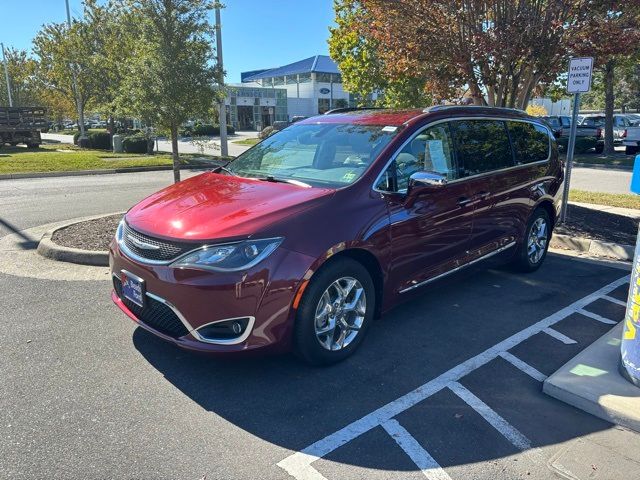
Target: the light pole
(222, 109)
(6, 75)
(75, 85)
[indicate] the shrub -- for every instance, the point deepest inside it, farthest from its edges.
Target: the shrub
(583, 144)
(203, 130)
(97, 140)
(266, 132)
(137, 144)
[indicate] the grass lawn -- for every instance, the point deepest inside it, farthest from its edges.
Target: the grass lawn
(247, 141)
(618, 159)
(609, 199)
(49, 158)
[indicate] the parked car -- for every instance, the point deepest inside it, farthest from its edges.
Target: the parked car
(631, 141)
(620, 124)
(587, 137)
(297, 118)
(304, 239)
(634, 119)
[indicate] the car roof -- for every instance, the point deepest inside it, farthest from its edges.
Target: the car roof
(394, 117)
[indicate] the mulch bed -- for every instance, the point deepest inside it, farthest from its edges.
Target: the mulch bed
(90, 235)
(598, 225)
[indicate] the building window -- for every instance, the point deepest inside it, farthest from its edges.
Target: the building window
(323, 105)
(278, 80)
(337, 78)
(291, 79)
(323, 77)
(304, 77)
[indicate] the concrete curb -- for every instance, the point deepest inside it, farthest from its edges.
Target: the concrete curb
(593, 247)
(49, 249)
(79, 173)
(600, 166)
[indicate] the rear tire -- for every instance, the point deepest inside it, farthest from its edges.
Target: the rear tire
(631, 150)
(599, 148)
(533, 247)
(340, 295)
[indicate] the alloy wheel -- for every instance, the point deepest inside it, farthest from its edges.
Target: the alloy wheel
(340, 313)
(537, 242)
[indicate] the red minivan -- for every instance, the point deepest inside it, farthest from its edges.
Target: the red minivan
(304, 239)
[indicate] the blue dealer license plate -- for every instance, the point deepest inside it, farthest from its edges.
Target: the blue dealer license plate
(133, 288)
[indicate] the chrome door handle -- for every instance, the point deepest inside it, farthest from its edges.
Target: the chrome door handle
(462, 201)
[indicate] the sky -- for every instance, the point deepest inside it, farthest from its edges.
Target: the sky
(255, 33)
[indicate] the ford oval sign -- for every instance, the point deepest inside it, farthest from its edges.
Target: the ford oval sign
(324, 91)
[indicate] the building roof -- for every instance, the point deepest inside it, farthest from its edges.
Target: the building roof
(317, 63)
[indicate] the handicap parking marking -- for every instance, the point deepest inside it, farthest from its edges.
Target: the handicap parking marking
(299, 464)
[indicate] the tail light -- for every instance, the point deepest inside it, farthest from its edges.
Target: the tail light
(598, 133)
(624, 133)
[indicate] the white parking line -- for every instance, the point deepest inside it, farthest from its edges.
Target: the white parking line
(523, 366)
(414, 450)
(298, 464)
(559, 336)
(614, 300)
(597, 317)
(509, 432)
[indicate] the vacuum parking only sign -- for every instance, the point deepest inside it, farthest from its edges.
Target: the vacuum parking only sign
(580, 70)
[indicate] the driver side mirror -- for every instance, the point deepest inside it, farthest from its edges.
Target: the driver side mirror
(421, 182)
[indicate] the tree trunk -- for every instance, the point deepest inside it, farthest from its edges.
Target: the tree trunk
(608, 107)
(174, 151)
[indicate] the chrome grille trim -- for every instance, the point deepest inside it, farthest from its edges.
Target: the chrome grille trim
(150, 250)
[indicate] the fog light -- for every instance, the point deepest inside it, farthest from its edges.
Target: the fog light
(224, 329)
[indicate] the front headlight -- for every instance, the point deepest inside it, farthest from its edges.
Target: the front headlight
(229, 257)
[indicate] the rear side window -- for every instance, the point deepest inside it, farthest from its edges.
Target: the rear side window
(530, 142)
(482, 146)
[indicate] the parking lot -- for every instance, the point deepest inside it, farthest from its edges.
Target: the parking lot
(447, 385)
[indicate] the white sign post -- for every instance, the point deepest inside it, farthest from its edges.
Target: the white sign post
(578, 81)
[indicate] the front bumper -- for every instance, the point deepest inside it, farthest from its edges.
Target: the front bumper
(178, 302)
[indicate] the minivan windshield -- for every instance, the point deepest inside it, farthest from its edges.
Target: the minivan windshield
(323, 155)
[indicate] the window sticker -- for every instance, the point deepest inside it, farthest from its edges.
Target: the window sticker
(438, 158)
(349, 176)
(389, 129)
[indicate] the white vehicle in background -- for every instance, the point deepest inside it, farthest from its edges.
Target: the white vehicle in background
(631, 141)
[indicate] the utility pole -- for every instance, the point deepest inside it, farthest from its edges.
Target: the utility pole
(6, 75)
(75, 85)
(222, 109)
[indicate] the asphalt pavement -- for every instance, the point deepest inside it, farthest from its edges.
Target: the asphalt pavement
(446, 386)
(601, 180)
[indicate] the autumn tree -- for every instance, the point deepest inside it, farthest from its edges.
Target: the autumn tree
(363, 69)
(611, 34)
(21, 69)
(171, 72)
(500, 51)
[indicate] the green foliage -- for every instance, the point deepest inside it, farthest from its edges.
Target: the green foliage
(96, 140)
(24, 88)
(202, 130)
(137, 144)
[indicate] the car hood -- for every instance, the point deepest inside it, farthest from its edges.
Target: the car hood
(212, 206)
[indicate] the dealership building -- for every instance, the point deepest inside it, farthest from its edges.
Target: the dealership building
(304, 88)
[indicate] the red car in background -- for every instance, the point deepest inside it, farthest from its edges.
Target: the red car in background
(308, 236)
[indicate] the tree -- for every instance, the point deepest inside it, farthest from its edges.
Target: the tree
(500, 51)
(21, 69)
(363, 70)
(610, 34)
(171, 71)
(61, 51)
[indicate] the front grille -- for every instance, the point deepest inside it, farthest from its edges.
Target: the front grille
(154, 313)
(164, 250)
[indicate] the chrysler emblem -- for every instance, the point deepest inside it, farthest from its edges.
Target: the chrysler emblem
(141, 244)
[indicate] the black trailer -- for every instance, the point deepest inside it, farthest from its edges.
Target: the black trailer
(22, 125)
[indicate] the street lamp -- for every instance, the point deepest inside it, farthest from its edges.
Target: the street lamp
(75, 86)
(222, 109)
(6, 75)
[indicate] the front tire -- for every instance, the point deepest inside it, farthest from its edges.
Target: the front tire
(335, 312)
(534, 245)
(630, 150)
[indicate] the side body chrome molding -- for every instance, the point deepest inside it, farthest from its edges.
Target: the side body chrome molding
(484, 257)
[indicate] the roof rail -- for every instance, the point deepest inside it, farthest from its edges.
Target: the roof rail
(437, 108)
(350, 109)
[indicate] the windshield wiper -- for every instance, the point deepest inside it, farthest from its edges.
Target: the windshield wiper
(271, 178)
(225, 169)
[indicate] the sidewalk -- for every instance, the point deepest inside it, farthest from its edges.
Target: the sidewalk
(184, 146)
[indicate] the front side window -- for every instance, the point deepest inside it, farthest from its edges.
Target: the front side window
(530, 142)
(482, 146)
(324, 155)
(431, 150)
